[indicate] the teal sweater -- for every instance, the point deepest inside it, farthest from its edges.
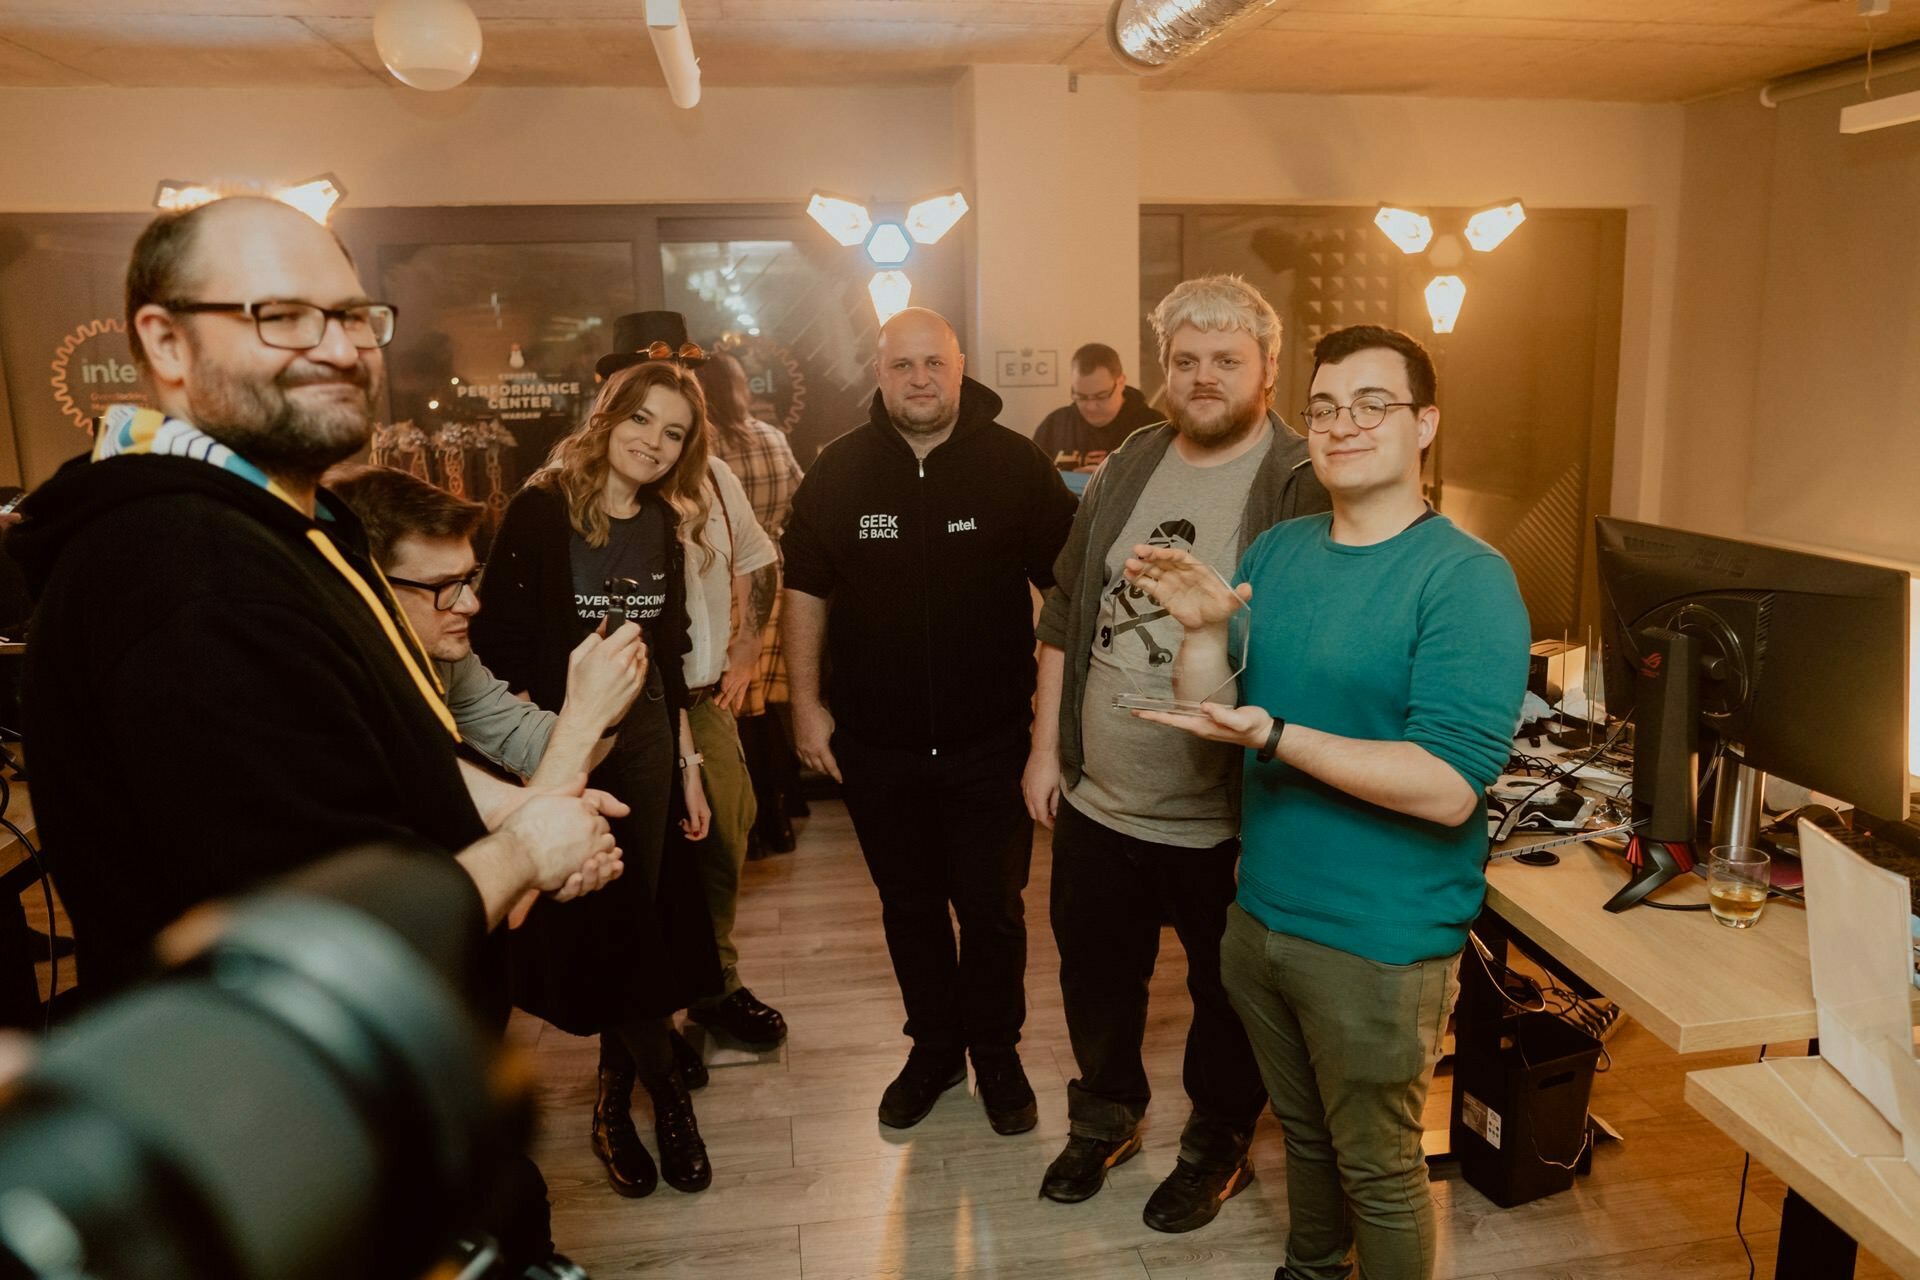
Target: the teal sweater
(1421, 638)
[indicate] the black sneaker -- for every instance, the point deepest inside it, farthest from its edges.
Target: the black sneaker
(928, 1074)
(1002, 1085)
(1190, 1196)
(746, 1019)
(1080, 1170)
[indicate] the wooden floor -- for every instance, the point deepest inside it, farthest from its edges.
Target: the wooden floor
(808, 1184)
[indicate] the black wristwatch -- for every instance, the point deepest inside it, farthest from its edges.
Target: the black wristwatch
(1266, 753)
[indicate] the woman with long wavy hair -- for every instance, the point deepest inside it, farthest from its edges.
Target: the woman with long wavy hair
(596, 530)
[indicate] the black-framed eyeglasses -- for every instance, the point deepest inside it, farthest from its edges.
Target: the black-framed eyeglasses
(302, 326)
(1367, 412)
(1097, 397)
(446, 594)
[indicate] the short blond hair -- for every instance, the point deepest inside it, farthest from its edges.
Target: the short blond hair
(1213, 303)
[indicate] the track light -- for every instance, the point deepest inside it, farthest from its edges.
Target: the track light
(887, 244)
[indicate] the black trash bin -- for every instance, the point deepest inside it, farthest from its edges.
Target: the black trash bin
(1520, 1108)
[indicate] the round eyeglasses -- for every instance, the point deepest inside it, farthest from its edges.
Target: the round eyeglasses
(1367, 412)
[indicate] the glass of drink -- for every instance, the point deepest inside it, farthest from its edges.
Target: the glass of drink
(1737, 882)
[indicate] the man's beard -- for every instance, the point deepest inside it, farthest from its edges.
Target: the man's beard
(925, 422)
(262, 423)
(1226, 421)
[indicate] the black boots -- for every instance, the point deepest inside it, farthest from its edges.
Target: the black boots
(683, 1156)
(630, 1170)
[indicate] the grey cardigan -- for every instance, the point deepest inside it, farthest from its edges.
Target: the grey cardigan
(1283, 487)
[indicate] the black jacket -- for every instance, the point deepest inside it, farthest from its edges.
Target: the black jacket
(927, 563)
(209, 703)
(527, 626)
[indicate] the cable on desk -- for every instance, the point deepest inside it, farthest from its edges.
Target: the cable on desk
(1740, 1205)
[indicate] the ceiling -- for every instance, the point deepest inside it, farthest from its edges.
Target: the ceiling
(1630, 50)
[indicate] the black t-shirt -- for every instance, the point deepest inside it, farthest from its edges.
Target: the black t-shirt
(632, 566)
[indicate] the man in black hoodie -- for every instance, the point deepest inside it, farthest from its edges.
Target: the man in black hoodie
(908, 558)
(220, 687)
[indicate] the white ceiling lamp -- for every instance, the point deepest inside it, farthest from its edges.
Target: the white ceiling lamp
(1445, 294)
(1410, 232)
(316, 197)
(427, 44)
(888, 246)
(845, 220)
(1489, 227)
(933, 217)
(1150, 35)
(673, 45)
(890, 291)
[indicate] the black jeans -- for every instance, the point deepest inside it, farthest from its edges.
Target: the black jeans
(1110, 894)
(940, 829)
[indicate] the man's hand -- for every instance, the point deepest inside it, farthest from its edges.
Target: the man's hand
(562, 833)
(1242, 726)
(699, 814)
(604, 675)
(1040, 784)
(743, 659)
(812, 731)
(1190, 590)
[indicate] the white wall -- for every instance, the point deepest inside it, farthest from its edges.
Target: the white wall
(103, 150)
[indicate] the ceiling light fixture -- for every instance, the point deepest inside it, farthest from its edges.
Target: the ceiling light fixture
(427, 44)
(933, 217)
(316, 197)
(887, 244)
(673, 45)
(1412, 232)
(890, 291)
(1489, 227)
(845, 220)
(1445, 294)
(1150, 35)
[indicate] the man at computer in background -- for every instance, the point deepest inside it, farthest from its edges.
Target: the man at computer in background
(218, 688)
(1387, 661)
(1146, 826)
(1104, 411)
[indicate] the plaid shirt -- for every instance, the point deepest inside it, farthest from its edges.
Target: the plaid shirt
(769, 472)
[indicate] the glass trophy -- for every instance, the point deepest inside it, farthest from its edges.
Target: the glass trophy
(1154, 691)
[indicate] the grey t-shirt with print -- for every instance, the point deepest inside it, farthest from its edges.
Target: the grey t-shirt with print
(1142, 779)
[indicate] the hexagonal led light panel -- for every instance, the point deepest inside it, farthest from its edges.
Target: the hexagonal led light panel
(888, 246)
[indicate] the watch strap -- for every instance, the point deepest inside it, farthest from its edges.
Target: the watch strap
(1266, 753)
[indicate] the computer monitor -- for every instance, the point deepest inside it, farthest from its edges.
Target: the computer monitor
(1795, 664)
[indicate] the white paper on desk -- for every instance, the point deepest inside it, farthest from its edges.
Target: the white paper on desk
(1862, 951)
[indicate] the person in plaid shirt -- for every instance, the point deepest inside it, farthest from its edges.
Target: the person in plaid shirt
(764, 463)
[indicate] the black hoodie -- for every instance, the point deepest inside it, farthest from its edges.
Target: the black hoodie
(1072, 442)
(927, 564)
(208, 702)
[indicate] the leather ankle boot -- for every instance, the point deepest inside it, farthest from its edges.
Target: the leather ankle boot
(630, 1170)
(683, 1156)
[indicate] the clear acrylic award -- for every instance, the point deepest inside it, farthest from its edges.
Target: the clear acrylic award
(1138, 613)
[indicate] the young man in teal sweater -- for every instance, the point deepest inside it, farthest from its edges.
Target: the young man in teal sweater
(1384, 677)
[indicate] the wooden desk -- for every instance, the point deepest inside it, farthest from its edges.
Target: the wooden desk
(1696, 984)
(1760, 1106)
